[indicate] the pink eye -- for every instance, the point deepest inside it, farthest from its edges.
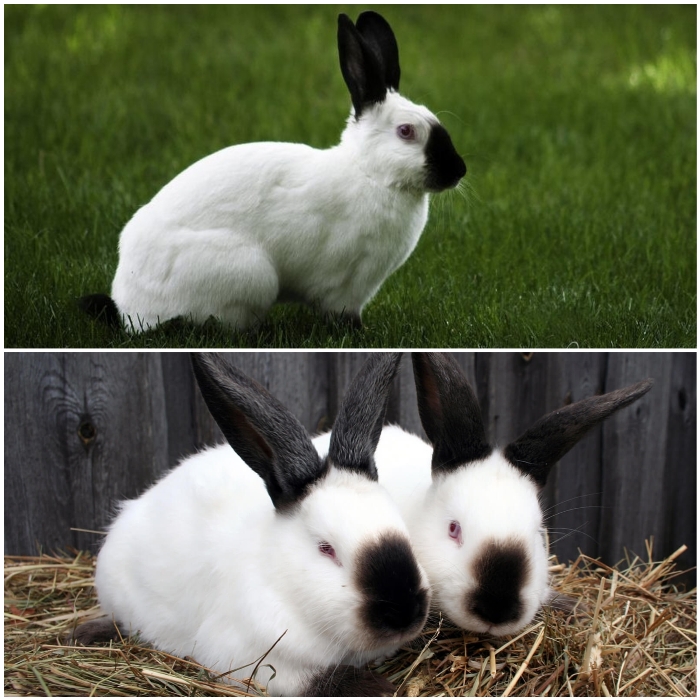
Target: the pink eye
(406, 132)
(328, 551)
(455, 531)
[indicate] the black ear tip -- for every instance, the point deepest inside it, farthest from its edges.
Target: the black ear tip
(371, 16)
(203, 359)
(636, 391)
(344, 20)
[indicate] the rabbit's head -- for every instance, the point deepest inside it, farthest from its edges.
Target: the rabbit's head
(480, 534)
(396, 142)
(339, 552)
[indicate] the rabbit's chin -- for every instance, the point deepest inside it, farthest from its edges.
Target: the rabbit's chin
(371, 648)
(459, 606)
(473, 623)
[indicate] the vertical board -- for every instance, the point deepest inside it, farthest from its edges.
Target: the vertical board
(634, 474)
(573, 502)
(182, 419)
(681, 475)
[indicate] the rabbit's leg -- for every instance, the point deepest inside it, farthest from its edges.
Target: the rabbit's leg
(349, 682)
(238, 286)
(259, 287)
(104, 629)
(352, 319)
(241, 316)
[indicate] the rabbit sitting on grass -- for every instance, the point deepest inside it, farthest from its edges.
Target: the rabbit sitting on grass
(258, 223)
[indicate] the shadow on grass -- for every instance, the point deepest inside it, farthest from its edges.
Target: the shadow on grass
(287, 325)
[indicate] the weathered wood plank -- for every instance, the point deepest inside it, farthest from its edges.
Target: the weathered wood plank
(633, 469)
(573, 498)
(680, 503)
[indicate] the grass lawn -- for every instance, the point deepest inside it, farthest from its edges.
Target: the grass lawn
(578, 126)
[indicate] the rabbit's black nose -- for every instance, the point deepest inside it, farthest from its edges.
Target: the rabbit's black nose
(501, 570)
(403, 612)
(444, 166)
(388, 577)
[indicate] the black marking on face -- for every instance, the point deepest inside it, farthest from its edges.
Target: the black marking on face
(388, 576)
(444, 166)
(501, 570)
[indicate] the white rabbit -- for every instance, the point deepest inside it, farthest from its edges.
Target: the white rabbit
(218, 560)
(263, 222)
(473, 511)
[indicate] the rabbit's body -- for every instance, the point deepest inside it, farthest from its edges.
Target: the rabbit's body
(494, 504)
(180, 610)
(473, 511)
(264, 222)
(256, 223)
(270, 550)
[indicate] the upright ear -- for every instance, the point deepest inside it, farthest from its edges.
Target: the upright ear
(553, 435)
(375, 30)
(268, 438)
(361, 416)
(449, 412)
(360, 66)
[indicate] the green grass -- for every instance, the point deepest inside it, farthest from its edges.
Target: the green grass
(578, 125)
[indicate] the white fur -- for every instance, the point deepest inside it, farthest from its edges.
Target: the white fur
(261, 222)
(491, 499)
(203, 565)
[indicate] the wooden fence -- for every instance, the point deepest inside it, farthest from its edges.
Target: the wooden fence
(84, 430)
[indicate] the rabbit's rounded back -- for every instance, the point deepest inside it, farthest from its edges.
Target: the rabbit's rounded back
(263, 222)
(232, 550)
(473, 511)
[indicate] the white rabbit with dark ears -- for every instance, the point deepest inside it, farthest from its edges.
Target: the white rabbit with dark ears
(263, 222)
(232, 551)
(472, 510)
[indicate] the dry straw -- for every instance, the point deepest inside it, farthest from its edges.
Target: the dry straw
(633, 633)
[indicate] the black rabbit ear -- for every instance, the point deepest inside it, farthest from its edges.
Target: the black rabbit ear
(375, 30)
(361, 416)
(268, 438)
(360, 66)
(449, 412)
(553, 435)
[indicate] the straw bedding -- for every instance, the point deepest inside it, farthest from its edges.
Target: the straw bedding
(633, 633)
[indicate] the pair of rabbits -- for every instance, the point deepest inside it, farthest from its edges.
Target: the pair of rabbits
(263, 222)
(300, 560)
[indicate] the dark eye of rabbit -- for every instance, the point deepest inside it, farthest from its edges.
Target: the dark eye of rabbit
(328, 551)
(406, 132)
(455, 531)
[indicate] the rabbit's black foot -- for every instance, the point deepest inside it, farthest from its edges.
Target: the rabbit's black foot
(101, 307)
(344, 318)
(348, 681)
(97, 631)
